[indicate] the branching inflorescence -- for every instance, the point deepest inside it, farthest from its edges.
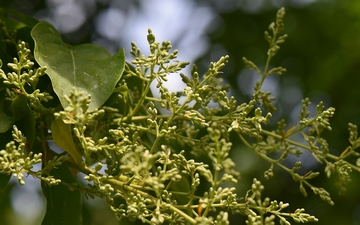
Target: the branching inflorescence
(133, 154)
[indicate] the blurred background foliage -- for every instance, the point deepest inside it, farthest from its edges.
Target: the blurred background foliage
(321, 55)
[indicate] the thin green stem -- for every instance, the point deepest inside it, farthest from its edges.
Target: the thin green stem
(279, 137)
(270, 160)
(141, 101)
(337, 158)
(265, 73)
(186, 216)
(173, 116)
(144, 93)
(120, 185)
(215, 184)
(153, 99)
(153, 147)
(212, 194)
(178, 117)
(331, 156)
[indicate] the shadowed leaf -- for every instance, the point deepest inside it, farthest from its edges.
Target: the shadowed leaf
(63, 206)
(4, 180)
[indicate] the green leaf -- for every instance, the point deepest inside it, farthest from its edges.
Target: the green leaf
(63, 206)
(183, 185)
(62, 136)
(6, 117)
(23, 34)
(15, 20)
(22, 111)
(4, 180)
(20, 107)
(7, 213)
(88, 67)
(5, 138)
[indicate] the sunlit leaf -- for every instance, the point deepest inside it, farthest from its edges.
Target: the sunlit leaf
(62, 136)
(88, 67)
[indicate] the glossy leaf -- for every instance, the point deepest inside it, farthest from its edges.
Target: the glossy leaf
(63, 206)
(88, 67)
(62, 136)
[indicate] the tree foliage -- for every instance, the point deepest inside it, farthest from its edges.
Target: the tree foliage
(155, 160)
